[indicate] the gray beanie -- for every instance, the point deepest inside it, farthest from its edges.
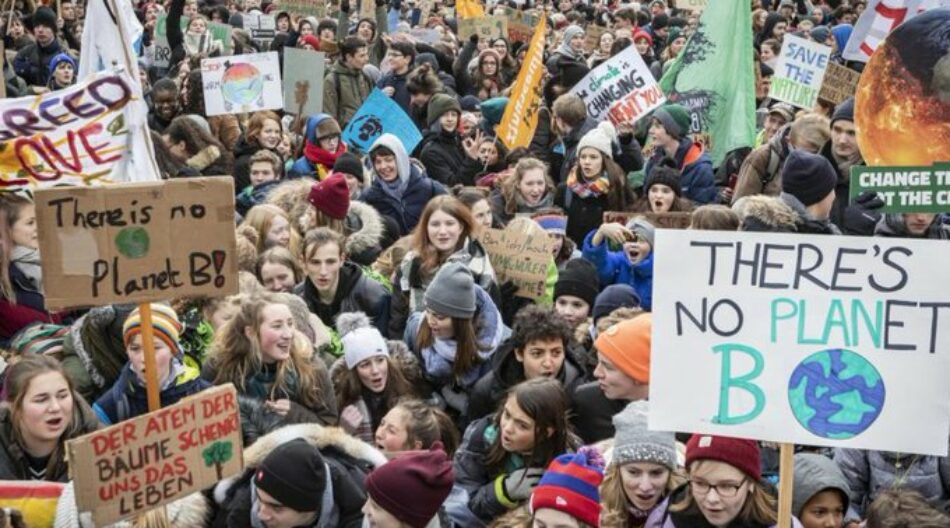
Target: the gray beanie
(815, 473)
(452, 292)
(633, 442)
(643, 228)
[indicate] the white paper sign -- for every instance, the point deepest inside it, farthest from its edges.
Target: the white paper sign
(242, 83)
(816, 340)
(621, 89)
(878, 19)
(800, 71)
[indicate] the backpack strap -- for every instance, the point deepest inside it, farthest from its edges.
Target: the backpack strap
(771, 168)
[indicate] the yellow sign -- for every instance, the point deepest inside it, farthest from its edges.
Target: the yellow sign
(521, 115)
(469, 9)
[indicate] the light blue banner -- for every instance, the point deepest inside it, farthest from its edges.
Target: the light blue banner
(379, 115)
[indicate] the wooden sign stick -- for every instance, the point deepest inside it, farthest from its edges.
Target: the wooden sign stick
(785, 484)
(151, 370)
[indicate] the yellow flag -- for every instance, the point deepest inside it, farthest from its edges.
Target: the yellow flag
(521, 115)
(469, 9)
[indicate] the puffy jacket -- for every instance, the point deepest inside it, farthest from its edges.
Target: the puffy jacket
(696, 172)
(613, 267)
(32, 62)
(13, 459)
(127, 398)
(355, 292)
(472, 476)
(344, 90)
(592, 413)
(404, 208)
(870, 472)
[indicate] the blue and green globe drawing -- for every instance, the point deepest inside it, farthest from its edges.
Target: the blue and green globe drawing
(836, 394)
(242, 84)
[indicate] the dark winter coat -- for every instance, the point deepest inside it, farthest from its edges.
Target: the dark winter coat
(870, 472)
(696, 171)
(13, 460)
(242, 162)
(842, 196)
(569, 149)
(445, 160)
(253, 195)
(419, 190)
(94, 351)
(507, 372)
(364, 233)
(32, 62)
(472, 473)
(592, 413)
(401, 95)
(127, 398)
(355, 292)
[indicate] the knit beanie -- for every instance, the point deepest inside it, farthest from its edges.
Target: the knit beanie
(578, 278)
(808, 177)
(634, 442)
(553, 223)
(452, 292)
(660, 21)
(820, 34)
(361, 344)
(600, 138)
(613, 297)
(641, 34)
(740, 453)
(627, 345)
(413, 486)
(62, 57)
(674, 118)
(643, 229)
(673, 34)
(312, 40)
(664, 176)
(470, 103)
(331, 196)
(844, 111)
(294, 473)
(440, 104)
(571, 485)
(489, 52)
(349, 163)
(494, 109)
(44, 16)
(165, 324)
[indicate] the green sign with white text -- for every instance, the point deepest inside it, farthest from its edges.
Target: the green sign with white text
(906, 189)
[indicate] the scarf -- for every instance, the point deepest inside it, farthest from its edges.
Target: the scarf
(320, 156)
(845, 164)
(27, 260)
(260, 384)
(586, 189)
(523, 208)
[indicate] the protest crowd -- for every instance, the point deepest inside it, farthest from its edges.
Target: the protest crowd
(389, 371)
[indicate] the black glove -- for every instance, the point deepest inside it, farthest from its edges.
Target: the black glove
(474, 38)
(511, 304)
(861, 216)
(345, 6)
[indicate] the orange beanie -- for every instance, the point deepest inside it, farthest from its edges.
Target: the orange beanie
(627, 345)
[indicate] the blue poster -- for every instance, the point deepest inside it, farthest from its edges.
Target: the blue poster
(379, 115)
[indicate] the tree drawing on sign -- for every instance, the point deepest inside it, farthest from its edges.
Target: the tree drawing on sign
(218, 454)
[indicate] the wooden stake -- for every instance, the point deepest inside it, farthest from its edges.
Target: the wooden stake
(151, 370)
(785, 484)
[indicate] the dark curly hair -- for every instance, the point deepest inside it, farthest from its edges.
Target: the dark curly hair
(534, 322)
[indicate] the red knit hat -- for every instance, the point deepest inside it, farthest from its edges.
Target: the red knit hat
(737, 452)
(641, 34)
(413, 486)
(570, 485)
(310, 39)
(331, 196)
(627, 345)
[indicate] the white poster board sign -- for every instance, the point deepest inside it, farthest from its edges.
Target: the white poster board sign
(800, 71)
(816, 340)
(621, 89)
(242, 83)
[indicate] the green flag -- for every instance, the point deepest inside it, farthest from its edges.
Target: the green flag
(714, 78)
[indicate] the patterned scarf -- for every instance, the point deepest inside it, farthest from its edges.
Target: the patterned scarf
(584, 188)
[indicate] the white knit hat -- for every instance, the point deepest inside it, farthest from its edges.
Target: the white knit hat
(361, 344)
(601, 138)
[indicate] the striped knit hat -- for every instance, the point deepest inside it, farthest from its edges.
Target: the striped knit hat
(570, 485)
(164, 321)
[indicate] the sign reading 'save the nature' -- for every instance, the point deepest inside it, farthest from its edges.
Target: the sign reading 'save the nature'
(816, 340)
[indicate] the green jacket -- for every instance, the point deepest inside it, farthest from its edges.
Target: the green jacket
(344, 90)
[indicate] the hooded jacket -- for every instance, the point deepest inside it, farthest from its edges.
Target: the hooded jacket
(815, 473)
(404, 201)
(365, 232)
(613, 267)
(128, 398)
(347, 459)
(806, 222)
(344, 90)
(13, 459)
(506, 372)
(93, 352)
(445, 160)
(696, 172)
(892, 226)
(869, 472)
(32, 62)
(304, 167)
(355, 292)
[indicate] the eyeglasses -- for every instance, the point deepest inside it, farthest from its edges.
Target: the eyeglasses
(726, 490)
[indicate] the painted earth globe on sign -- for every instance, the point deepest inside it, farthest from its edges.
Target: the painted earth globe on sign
(242, 84)
(902, 104)
(836, 394)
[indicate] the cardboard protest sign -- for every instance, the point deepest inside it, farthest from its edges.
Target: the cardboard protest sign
(303, 81)
(378, 115)
(137, 242)
(469, 9)
(487, 28)
(905, 189)
(143, 463)
(425, 9)
(672, 220)
(592, 37)
(81, 135)
(162, 52)
(621, 89)
(35, 499)
(520, 253)
(261, 27)
(805, 339)
(242, 83)
(305, 8)
(368, 9)
(839, 84)
(693, 5)
(878, 19)
(428, 36)
(799, 71)
(521, 114)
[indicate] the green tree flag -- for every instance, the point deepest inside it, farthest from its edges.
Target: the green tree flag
(714, 78)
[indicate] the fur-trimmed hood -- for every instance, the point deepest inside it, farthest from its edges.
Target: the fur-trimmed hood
(365, 227)
(767, 210)
(316, 435)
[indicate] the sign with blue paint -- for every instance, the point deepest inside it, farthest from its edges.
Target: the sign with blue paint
(800, 71)
(815, 340)
(378, 115)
